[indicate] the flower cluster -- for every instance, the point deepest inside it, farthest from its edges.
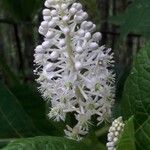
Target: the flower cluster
(114, 133)
(74, 72)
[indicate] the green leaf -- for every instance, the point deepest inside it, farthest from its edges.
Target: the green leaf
(95, 143)
(136, 18)
(35, 107)
(45, 143)
(127, 139)
(136, 97)
(143, 135)
(14, 121)
(24, 115)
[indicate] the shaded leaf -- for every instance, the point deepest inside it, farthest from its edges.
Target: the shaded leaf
(13, 119)
(45, 143)
(136, 97)
(94, 142)
(143, 135)
(35, 107)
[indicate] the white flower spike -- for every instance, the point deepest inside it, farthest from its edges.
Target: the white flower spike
(73, 71)
(114, 132)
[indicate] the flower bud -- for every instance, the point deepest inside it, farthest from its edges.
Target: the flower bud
(42, 30)
(39, 49)
(50, 35)
(52, 24)
(46, 12)
(72, 10)
(54, 13)
(65, 18)
(47, 18)
(49, 67)
(44, 24)
(51, 2)
(78, 6)
(85, 15)
(46, 44)
(114, 133)
(93, 46)
(79, 49)
(54, 55)
(78, 19)
(78, 65)
(64, 6)
(81, 33)
(88, 36)
(62, 42)
(66, 30)
(97, 37)
(48, 5)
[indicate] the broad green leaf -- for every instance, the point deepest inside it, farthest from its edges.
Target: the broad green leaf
(135, 19)
(143, 135)
(46, 143)
(14, 121)
(35, 107)
(127, 139)
(136, 97)
(23, 115)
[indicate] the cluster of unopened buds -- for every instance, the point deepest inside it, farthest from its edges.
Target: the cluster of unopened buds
(74, 72)
(114, 133)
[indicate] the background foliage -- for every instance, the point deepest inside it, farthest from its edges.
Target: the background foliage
(125, 26)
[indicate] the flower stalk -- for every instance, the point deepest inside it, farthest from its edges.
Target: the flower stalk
(74, 72)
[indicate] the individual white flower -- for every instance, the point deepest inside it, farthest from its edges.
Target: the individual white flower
(114, 132)
(75, 133)
(74, 72)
